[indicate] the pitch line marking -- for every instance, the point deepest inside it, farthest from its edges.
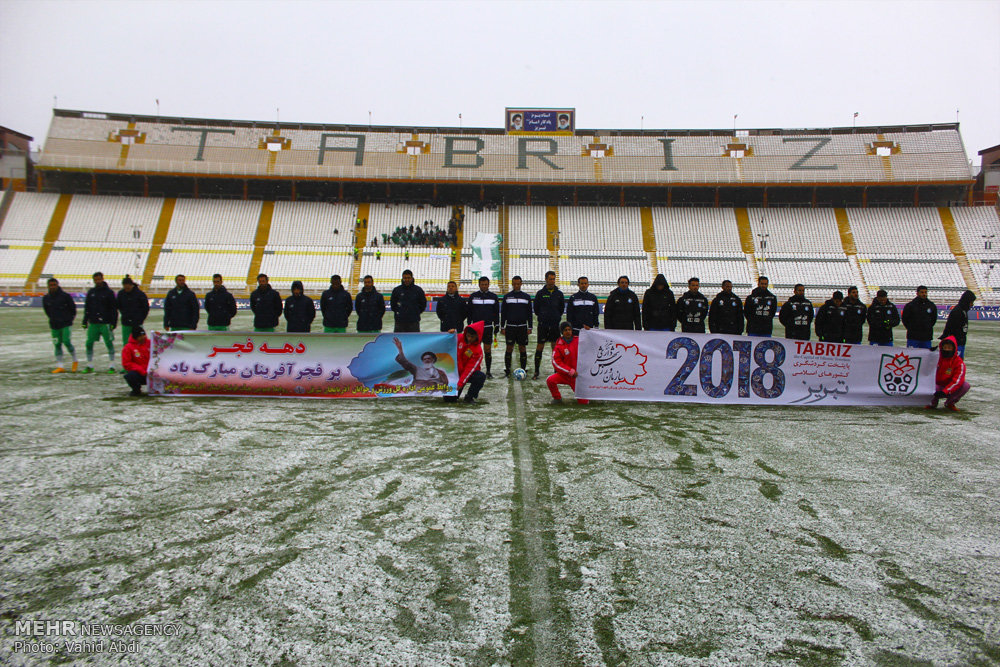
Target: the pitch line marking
(545, 644)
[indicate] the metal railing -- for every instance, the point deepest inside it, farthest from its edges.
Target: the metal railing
(485, 173)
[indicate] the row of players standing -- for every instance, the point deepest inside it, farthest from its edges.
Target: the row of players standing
(182, 309)
(839, 319)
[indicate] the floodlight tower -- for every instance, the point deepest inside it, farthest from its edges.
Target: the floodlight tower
(762, 236)
(987, 247)
(137, 237)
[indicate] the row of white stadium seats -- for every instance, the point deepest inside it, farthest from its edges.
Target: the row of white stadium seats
(898, 232)
(111, 219)
(28, 216)
(431, 269)
(313, 265)
(214, 221)
(199, 262)
(681, 231)
(71, 264)
(794, 232)
(611, 229)
(527, 227)
(312, 223)
(110, 233)
(697, 231)
(979, 228)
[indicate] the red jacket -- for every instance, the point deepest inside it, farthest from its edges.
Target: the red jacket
(564, 355)
(469, 356)
(950, 372)
(135, 357)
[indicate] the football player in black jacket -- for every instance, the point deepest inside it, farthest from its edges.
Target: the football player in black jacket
(882, 317)
(725, 315)
(550, 303)
(692, 308)
(515, 323)
(797, 315)
(484, 306)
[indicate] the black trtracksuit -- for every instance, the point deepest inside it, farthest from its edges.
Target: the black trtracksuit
(370, 307)
(220, 306)
(133, 306)
(59, 308)
(516, 319)
(300, 311)
(408, 303)
(336, 306)
(958, 319)
(181, 309)
(549, 307)
(100, 306)
(485, 307)
(796, 316)
(582, 310)
(881, 320)
(451, 311)
(831, 322)
(622, 310)
(265, 302)
(692, 309)
(855, 314)
(659, 307)
(759, 310)
(725, 315)
(919, 317)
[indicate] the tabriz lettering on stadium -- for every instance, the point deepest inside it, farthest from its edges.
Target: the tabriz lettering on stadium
(465, 152)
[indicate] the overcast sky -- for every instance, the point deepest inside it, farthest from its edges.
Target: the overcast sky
(677, 64)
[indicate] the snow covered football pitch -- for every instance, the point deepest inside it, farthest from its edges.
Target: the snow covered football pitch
(511, 532)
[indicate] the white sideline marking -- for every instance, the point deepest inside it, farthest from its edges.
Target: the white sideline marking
(541, 602)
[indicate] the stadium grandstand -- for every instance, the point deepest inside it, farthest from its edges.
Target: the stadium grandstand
(150, 196)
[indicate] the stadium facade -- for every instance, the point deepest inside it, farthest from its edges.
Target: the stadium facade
(153, 196)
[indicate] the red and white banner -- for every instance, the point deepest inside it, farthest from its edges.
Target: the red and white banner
(718, 368)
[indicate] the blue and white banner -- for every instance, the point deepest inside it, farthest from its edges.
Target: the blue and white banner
(524, 120)
(717, 368)
(199, 363)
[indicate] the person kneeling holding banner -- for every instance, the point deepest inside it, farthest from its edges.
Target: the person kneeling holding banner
(135, 359)
(564, 362)
(470, 355)
(950, 378)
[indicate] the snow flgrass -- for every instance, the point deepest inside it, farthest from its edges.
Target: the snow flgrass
(515, 531)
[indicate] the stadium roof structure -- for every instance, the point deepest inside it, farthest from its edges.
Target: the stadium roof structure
(131, 144)
(7, 130)
(113, 153)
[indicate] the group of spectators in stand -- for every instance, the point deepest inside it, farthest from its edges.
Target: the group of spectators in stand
(427, 234)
